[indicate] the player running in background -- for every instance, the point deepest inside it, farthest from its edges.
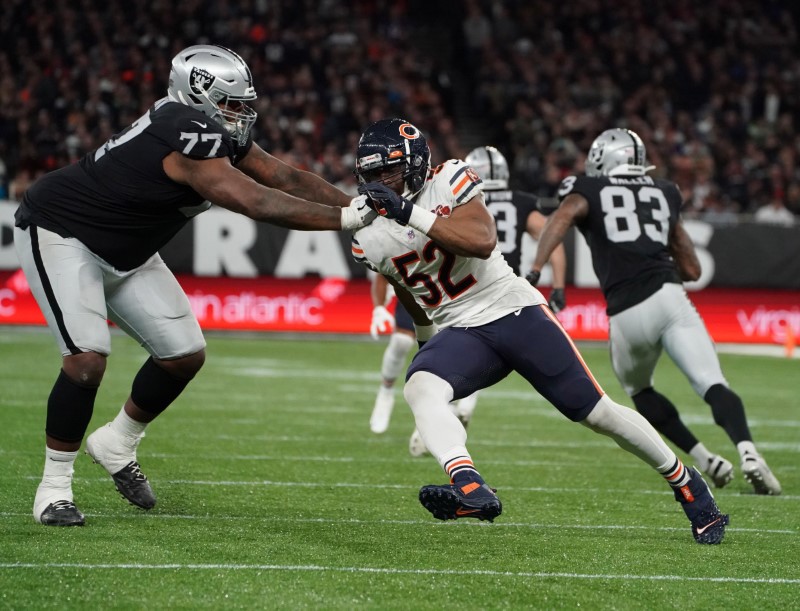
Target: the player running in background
(401, 341)
(437, 245)
(641, 254)
(88, 237)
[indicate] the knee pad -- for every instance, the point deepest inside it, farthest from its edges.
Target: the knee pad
(655, 407)
(69, 409)
(154, 389)
(728, 411)
(423, 388)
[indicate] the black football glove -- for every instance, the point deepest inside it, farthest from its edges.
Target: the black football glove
(386, 202)
(533, 277)
(557, 301)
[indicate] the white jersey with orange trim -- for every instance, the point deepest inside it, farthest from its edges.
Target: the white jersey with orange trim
(454, 291)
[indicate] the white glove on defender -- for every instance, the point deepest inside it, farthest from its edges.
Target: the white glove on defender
(357, 214)
(382, 322)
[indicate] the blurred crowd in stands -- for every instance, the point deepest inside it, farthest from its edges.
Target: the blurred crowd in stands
(712, 87)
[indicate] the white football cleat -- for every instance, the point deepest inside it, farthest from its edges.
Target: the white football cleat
(382, 411)
(416, 447)
(759, 475)
(719, 471)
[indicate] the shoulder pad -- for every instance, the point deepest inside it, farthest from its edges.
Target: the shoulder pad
(461, 181)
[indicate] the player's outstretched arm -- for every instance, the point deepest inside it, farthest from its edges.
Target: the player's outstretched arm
(558, 259)
(572, 209)
(222, 184)
(684, 254)
(271, 172)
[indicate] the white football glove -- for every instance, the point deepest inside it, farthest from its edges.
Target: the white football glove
(357, 214)
(382, 322)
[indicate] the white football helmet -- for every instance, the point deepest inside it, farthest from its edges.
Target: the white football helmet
(615, 152)
(490, 165)
(216, 81)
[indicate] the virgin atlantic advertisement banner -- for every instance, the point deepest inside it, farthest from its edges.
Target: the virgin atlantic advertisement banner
(336, 305)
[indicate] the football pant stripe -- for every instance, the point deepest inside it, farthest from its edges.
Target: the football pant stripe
(48, 291)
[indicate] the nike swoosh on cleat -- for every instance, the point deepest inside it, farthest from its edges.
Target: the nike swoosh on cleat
(203, 125)
(466, 512)
(700, 531)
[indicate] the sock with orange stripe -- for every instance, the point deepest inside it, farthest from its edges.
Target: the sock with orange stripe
(676, 474)
(458, 465)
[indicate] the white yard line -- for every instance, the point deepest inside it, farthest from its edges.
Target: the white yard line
(390, 571)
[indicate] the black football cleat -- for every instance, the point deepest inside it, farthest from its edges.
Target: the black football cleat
(133, 485)
(62, 513)
(708, 522)
(452, 501)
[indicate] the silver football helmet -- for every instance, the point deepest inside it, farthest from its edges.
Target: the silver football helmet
(217, 82)
(490, 165)
(616, 152)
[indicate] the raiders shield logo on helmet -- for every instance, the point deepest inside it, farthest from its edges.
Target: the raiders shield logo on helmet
(200, 80)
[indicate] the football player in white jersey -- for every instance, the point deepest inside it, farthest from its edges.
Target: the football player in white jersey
(641, 253)
(515, 214)
(437, 245)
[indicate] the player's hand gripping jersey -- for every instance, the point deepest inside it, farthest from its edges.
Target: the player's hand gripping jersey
(118, 200)
(454, 291)
(628, 226)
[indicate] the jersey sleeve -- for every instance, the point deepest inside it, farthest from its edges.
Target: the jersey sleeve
(460, 180)
(582, 185)
(359, 256)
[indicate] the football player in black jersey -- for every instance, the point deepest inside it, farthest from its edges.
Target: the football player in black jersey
(641, 253)
(88, 237)
(516, 213)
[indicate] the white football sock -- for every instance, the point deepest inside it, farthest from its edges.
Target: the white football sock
(429, 397)
(394, 357)
(56, 484)
(127, 426)
(701, 455)
(631, 431)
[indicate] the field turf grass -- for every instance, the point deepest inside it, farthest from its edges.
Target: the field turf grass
(273, 494)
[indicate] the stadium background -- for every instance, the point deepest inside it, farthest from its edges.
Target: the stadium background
(711, 88)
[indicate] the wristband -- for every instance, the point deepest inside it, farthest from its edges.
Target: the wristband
(421, 220)
(426, 332)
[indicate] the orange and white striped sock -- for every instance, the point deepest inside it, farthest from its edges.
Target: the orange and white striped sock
(677, 475)
(458, 465)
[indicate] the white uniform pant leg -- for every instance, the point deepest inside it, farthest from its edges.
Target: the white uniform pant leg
(688, 343)
(66, 280)
(635, 344)
(149, 304)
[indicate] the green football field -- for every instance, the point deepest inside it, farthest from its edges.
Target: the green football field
(273, 494)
